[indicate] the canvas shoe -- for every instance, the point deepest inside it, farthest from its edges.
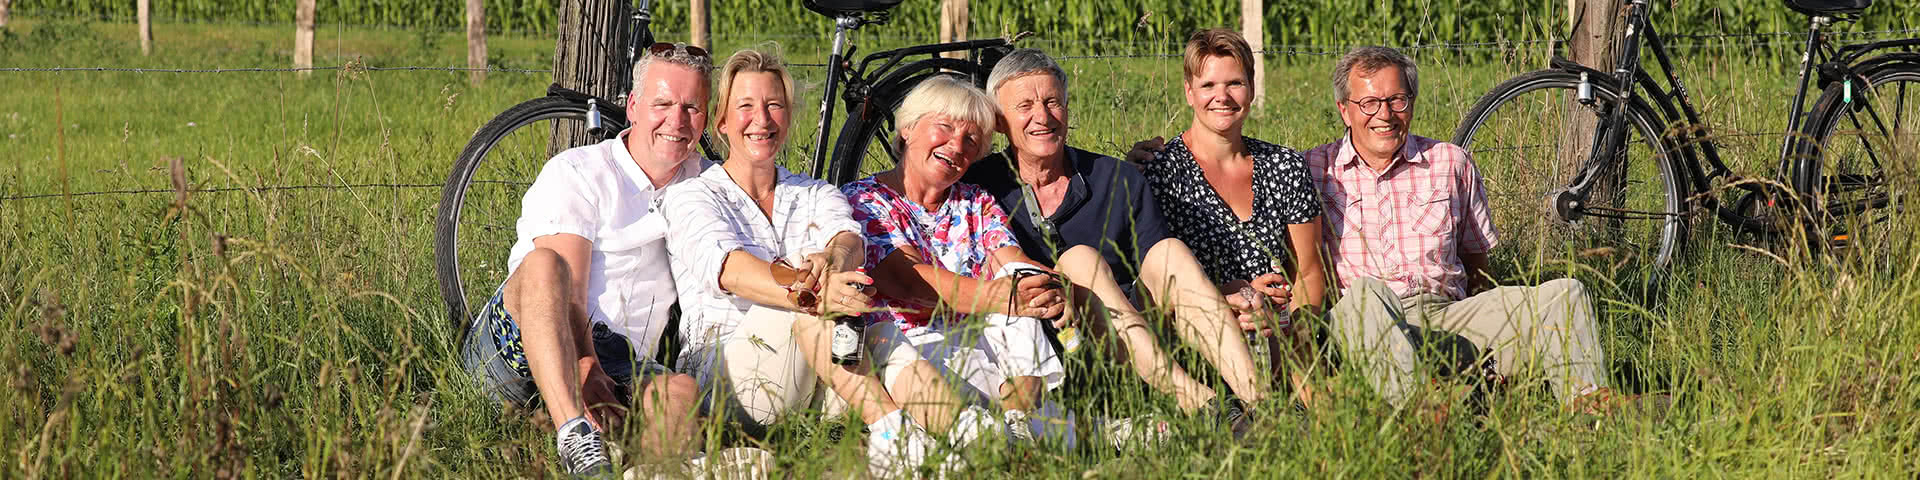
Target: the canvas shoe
(1135, 433)
(1231, 413)
(583, 453)
(973, 424)
(1019, 426)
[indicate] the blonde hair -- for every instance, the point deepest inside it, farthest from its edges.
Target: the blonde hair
(1217, 42)
(946, 96)
(747, 61)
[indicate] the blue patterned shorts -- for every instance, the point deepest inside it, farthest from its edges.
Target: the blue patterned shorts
(494, 355)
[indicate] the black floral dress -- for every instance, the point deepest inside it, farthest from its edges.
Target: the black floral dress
(1283, 194)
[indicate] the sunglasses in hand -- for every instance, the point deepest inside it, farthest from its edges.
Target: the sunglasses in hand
(799, 284)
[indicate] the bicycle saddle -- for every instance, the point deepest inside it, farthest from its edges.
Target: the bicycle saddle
(1822, 8)
(839, 8)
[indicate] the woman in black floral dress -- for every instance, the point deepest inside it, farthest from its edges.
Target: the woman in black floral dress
(1248, 208)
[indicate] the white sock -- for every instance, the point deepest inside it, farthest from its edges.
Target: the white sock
(895, 446)
(892, 422)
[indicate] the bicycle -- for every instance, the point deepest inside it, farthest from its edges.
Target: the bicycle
(508, 151)
(1646, 160)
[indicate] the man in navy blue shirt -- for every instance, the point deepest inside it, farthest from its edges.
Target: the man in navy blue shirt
(1096, 220)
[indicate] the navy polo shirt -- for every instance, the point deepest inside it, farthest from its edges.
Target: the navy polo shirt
(1108, 206)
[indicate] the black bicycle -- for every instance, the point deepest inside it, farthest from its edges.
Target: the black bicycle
(481, 198)
(1606, 167)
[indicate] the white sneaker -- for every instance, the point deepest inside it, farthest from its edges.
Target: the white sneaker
(739, 463)
(1019, 426)
(1135, 433)
(972, 424)
(895, 446)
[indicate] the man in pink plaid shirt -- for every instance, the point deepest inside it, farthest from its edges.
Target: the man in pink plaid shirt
(1408, 233)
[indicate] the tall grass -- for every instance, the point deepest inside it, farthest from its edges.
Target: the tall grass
(296, 332)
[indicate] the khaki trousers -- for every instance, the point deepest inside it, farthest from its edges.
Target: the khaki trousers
(1547, 330)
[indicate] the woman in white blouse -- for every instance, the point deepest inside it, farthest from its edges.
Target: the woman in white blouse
(749, 342)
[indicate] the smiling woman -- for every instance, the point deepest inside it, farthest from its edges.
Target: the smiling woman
(937, 245)
(757, 348)
(1248, 208)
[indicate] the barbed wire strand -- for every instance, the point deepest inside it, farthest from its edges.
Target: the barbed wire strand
(1270, 50)
(254, 188)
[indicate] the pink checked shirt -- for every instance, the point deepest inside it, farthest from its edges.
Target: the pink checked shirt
(1408, 225)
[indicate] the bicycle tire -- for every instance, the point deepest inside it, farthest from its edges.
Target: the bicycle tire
(1530, 228)
(482, 149)
(871, 117)
(1850, 123)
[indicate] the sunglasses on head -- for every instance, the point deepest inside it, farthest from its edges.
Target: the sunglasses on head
(664, 48)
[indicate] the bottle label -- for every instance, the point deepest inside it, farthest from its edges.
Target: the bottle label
(846, 343)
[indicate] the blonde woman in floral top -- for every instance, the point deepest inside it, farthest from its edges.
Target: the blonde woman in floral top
(942, 257)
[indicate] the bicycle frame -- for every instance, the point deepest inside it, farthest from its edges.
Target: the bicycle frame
(640, 20)
(835, 68)
(856, 81)
(1694, 142)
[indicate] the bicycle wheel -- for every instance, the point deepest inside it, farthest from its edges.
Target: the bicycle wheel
(480, 201)
(1858, 167)
(1521, 137)
(864, 146)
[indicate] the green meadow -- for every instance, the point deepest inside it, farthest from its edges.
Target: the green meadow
(282, 332)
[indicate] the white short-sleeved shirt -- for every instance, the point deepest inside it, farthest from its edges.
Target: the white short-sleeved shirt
(599, 193)
(711, 216)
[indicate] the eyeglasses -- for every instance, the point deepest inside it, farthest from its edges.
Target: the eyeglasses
(664, 48)
(1371, 105)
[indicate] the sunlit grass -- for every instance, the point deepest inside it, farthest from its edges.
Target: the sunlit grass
(298, 332)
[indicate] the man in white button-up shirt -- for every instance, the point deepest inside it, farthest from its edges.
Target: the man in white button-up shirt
(588, 289)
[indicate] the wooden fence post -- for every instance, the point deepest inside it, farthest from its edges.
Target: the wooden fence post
(581, 63)
(303, 36)
(953, 24)
(146, 26)
(702, 33)
(1251, 27)
(476, 41)
(1595, 25)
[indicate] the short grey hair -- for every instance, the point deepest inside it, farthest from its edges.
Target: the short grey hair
(677, 56)
(1021, 63)
(947, 96)
(1372, 59)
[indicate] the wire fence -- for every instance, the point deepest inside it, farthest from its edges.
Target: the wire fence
(1687, 42)
(252, 189)
(1700, 42)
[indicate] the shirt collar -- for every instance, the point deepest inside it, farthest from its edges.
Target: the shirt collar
(723, 177)
(689, 168)
(1077, 163)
